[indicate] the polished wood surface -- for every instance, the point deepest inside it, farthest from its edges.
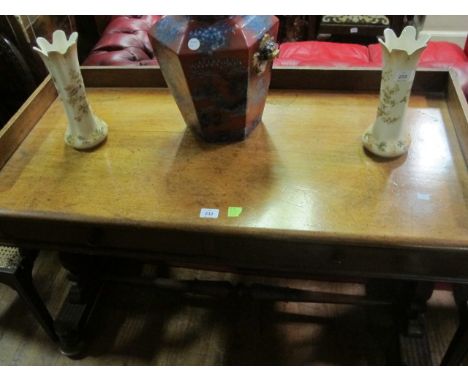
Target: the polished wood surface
(302, 175)
(458, 109)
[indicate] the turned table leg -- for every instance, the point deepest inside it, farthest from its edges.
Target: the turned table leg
(458, 348)
(411, 309)
(408, 343)
(84, 275)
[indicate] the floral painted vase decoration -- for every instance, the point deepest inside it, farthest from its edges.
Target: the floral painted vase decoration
(218, 69)
(85, 130)
(389, 135)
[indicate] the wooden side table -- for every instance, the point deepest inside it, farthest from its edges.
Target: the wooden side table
(313, 202)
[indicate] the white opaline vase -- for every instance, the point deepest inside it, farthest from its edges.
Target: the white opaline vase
(389, 135)
(85, 130)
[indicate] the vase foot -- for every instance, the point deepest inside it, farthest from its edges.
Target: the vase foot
(386, 149)
(95, 139)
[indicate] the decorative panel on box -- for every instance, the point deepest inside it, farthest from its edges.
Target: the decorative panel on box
(218, 69)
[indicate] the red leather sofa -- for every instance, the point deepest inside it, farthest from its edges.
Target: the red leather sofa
(125, 42)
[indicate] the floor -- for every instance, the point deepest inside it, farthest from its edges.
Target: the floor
(141, 326)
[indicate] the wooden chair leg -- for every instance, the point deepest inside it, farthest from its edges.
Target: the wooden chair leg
(458, 348)
(23, 284)
(18, 275)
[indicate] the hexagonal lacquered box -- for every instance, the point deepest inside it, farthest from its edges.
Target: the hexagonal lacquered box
(218, 69)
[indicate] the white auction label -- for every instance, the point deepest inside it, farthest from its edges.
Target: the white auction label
(404, 75)
(209, 213)
(354, 30)
(194, 43)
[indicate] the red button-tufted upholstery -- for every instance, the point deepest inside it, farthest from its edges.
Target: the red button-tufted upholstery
(320, 53)
(438, 54)
(125, 42)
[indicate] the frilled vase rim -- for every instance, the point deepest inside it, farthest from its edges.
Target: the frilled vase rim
(59, 43)
(407, 42)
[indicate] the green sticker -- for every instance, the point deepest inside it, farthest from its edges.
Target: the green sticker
(234, 212)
